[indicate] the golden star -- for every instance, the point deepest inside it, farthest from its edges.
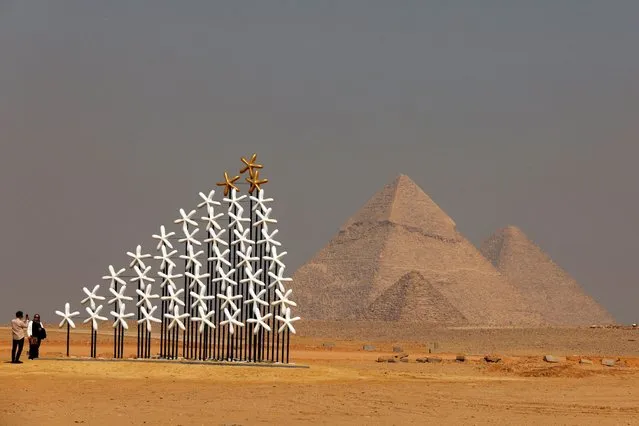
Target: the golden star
(250, 165)
(229, 184)
(255, 181)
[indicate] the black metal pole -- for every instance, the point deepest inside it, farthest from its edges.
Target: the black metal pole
(68, 336)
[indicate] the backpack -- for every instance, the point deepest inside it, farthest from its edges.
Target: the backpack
(43, 333)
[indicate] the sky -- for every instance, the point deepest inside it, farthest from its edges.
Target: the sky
(113, 115)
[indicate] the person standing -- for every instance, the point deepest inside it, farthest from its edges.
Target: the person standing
(18, 327)
(35, 332)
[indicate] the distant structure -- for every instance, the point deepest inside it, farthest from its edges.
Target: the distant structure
(543, 284)
(400, 257)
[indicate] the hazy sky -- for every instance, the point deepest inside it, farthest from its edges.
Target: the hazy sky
(115, 114)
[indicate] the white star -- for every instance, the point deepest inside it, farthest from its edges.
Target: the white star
(234, 201)
(220, 257)
(188, 237)
(237, 220)
(283, 299)
(242, 238)
(166, 257)
(208, 200)
(246, 259)
(185, 219)
(191, 257)
(211, 219)
(231, 320)
(67, 315)
(197, 277)
(94, 316)
(279, 279)
(174, 298)
(268, 239)
(260, 201)
(287, 321)
(229, 299)
(216, 237)
(119, 296)
(225, 278)
(176, 318)
(146, 296)
(200, 298)
(91, 296)
(164, 238)
(120, 316)
(259, 320)
(169, 277)
(275, 259)
(147, 316)
(264, 218)
(204, 318)
(256, 298)
(142, 276)
(114, 277)
(252, 277)
(137, 257)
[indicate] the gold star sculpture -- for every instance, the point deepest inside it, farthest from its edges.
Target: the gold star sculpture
(228, 184)
(250, 165)
(255, 181)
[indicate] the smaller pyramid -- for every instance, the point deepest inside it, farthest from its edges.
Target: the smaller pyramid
(414, 299)
(543, 284)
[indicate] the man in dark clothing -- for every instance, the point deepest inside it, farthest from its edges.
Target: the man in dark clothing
(18, 329)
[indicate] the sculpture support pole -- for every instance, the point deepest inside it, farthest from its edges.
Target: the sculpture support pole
(186, 292)
(68, 335)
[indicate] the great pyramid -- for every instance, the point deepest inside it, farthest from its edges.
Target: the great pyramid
(398, 231)
(543, 284)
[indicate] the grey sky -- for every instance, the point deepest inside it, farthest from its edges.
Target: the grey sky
(115, 114)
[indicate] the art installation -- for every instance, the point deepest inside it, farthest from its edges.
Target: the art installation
(224, 298)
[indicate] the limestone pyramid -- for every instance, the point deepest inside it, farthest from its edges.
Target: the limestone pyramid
(399, 230)
(544, 285)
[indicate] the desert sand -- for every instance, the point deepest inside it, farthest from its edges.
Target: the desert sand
(343, 384)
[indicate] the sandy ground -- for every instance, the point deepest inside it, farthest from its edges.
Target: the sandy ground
(344, 384)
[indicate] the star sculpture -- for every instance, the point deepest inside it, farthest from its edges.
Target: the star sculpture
(256, 298)
(268, 239)
(200, 298)
(242, 238)
(234, 201)
(283, 299)
(120, 316)
(142, 276)
(67, 315)
(237, 220)
(148, 318)
(94, 316)
(92, 296)
(219, 257)
(246, 259)
(229, 299)
(188, 237)
(252, 278)
(259, 320)
(146, 296)
(216, 237)
(211, 219)
(174, 298)
(255, 181)
(114, 277)
(119, 296)
(225, 278)
(204, 319)
(264, 218)
(208, 200)
(260, 201)
(185, 218)
(163, 238)
(286, 321)
(191, 257)
(279, 279)
(250, 165)
(137, 257)
(168, 277)
(231, 320)
(275, 259)
(176, 318)
(196, 277)
(229, 184)
(165, 257)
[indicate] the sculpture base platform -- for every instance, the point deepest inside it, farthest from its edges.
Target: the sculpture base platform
(180, 361)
